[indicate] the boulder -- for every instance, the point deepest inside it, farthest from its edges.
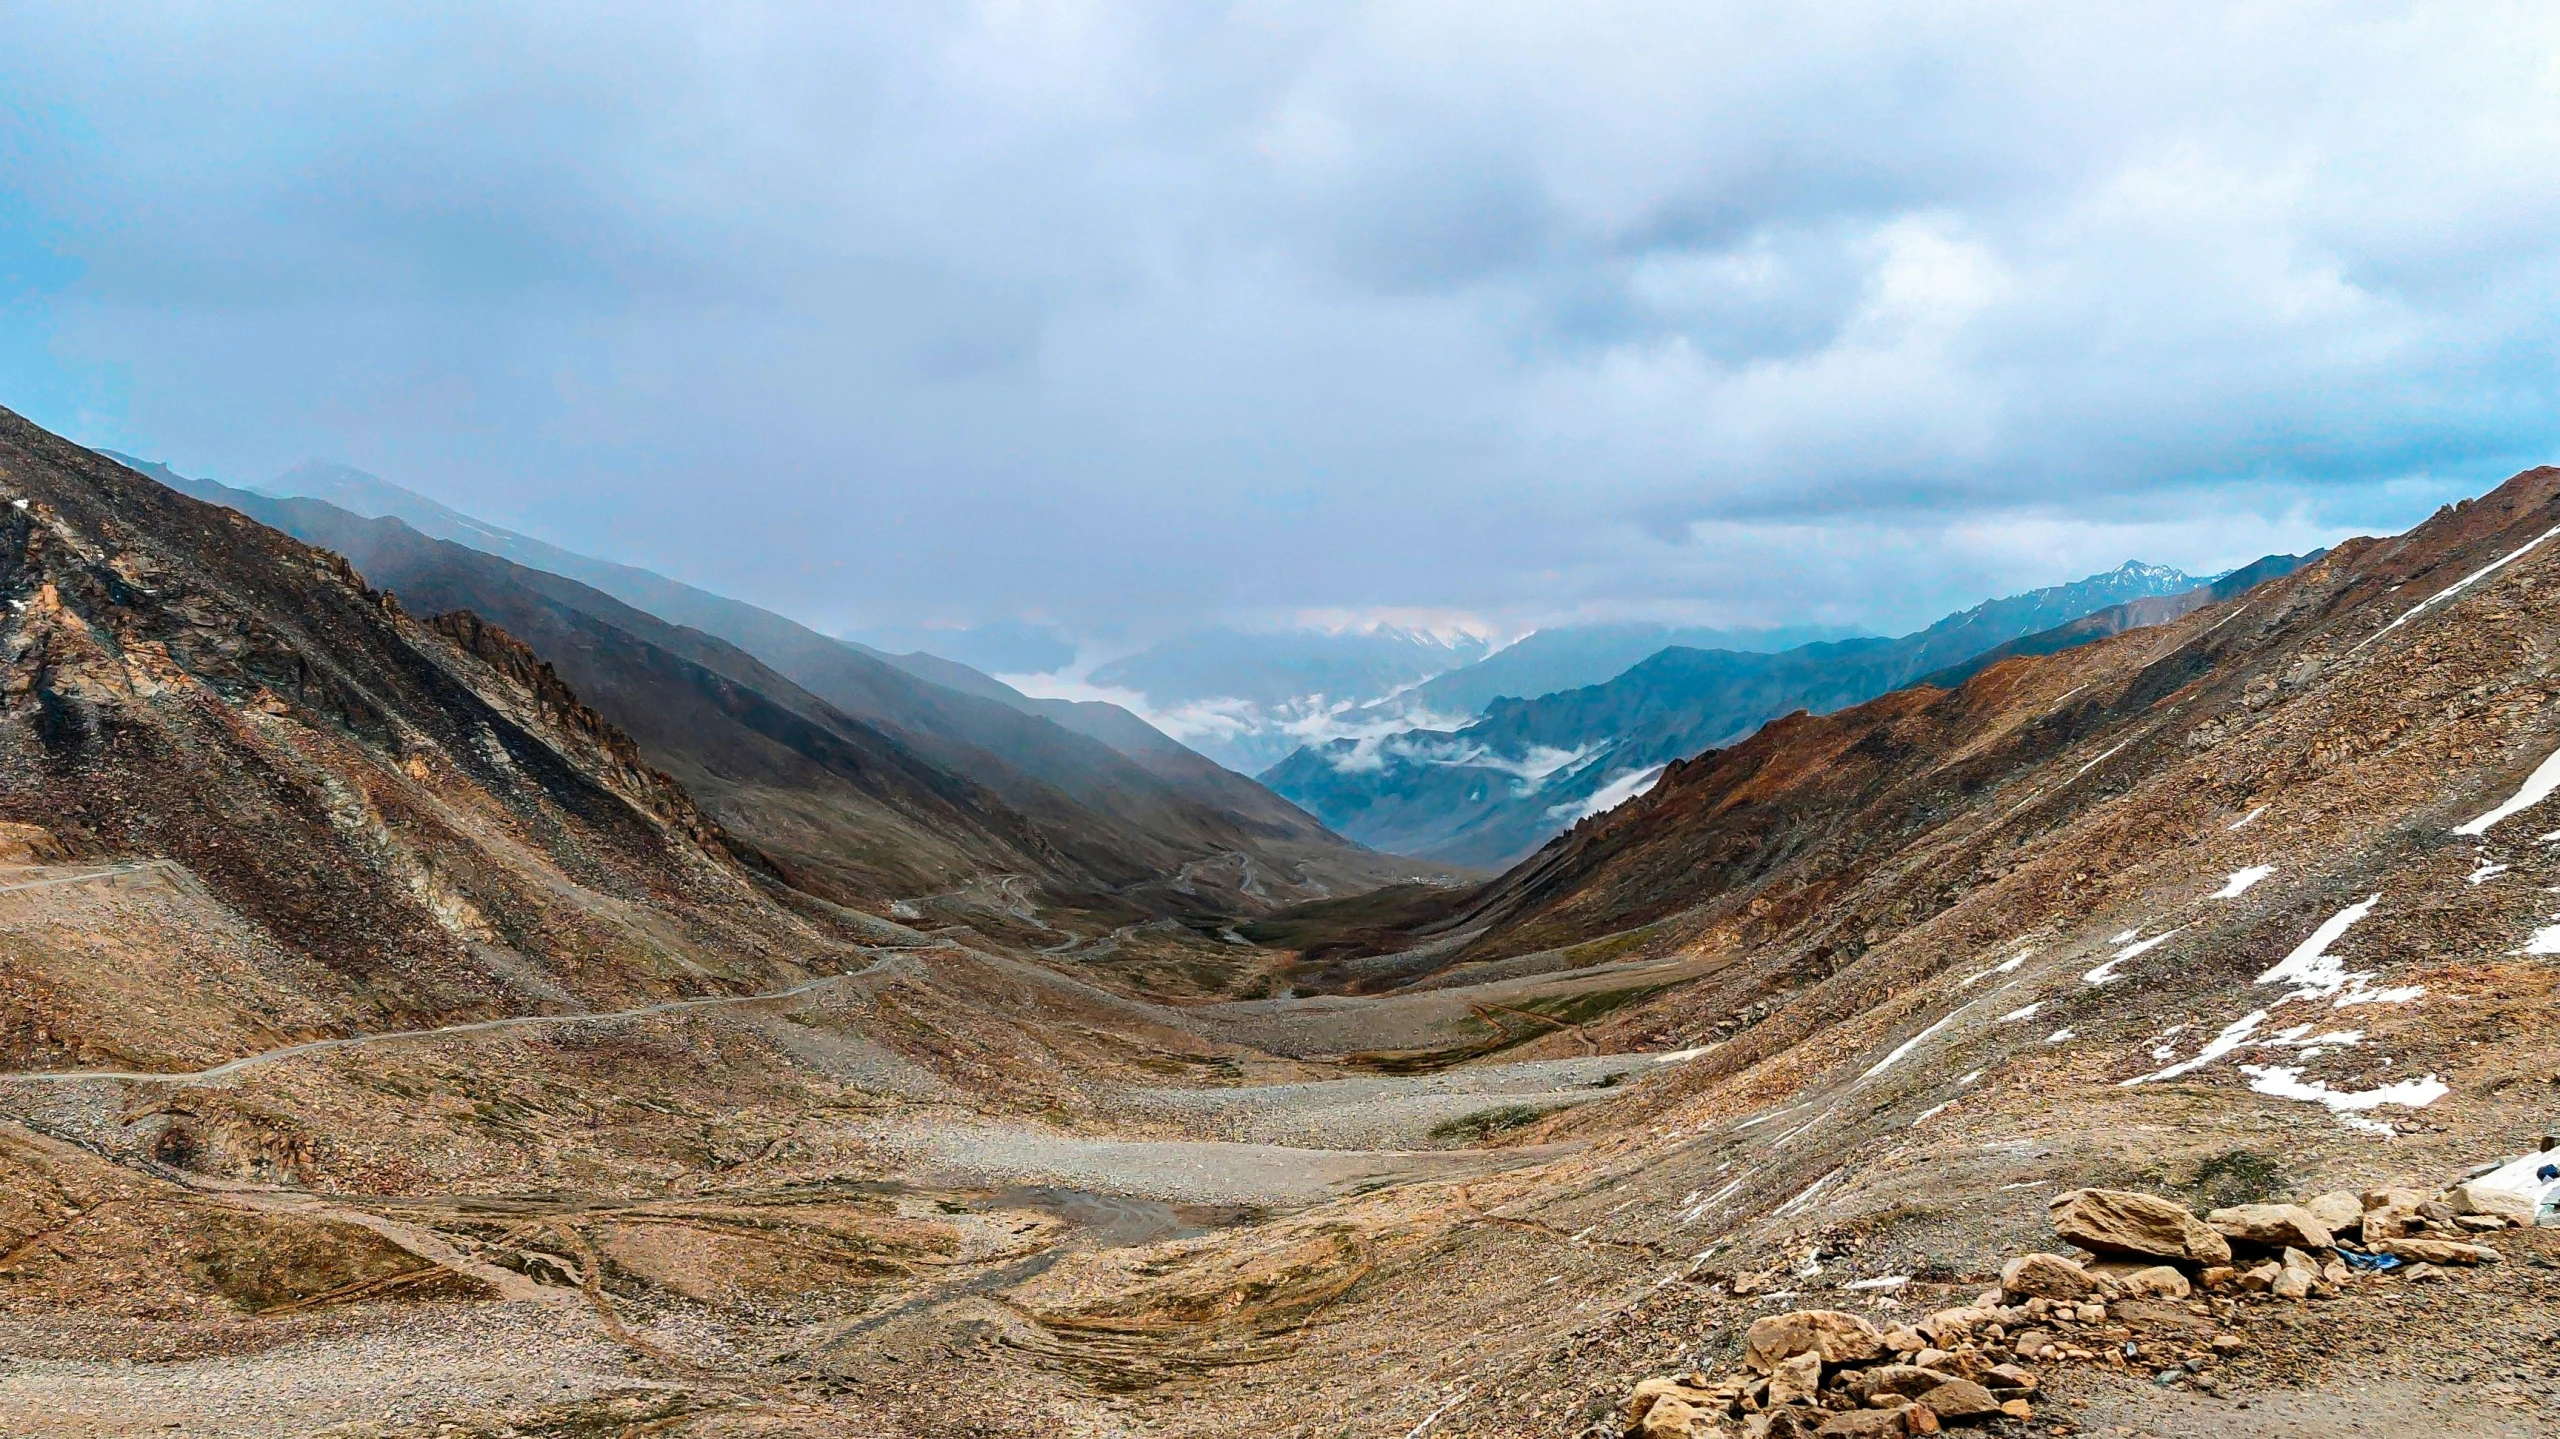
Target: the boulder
(2296, 1259)
(2291, 1283)
(1795, 1380)
(2425, 1274)
(1652, 1391)
(2157, 1282)
(2473, 1197)
(1671, 1418)
(1959, 1400)
(1838, 1337)
(2120, 1221)
(2390, 1221)
(2438, 1251)
(2045, 1276)
(2271, 1226)
(2339, 1211)
(1908, 1380)
(2392, 1197)
(2010, 1379)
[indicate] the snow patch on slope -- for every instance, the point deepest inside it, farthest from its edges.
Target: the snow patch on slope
(2240, 880)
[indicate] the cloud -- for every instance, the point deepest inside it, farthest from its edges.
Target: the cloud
(1131, 315)
(1620, 788)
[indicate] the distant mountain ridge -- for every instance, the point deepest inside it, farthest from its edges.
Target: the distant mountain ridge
(822, 752)
(1490, 793)
(1564, 657)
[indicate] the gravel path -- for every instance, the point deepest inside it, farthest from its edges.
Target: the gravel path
(1176, 1171)
(483, 1026)
(1383, 1113)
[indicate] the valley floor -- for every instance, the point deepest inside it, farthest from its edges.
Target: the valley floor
(1289, 1233)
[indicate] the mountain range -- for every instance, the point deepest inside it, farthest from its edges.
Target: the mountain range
(549, 1018)
(860, 775)
(1490, 793)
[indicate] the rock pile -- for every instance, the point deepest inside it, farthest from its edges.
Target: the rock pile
(2161, 1293)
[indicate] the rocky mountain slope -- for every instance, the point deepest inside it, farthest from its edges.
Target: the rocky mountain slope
(826, 777)
(406, 822)
(821, 663)
(1493, 791)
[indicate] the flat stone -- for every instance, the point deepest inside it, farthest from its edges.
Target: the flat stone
(2471, 1197)
(2045, 1276)
(2010, 1379)
(2272, 1226)
(1961, 1399)
(1840, 1338)
(2157, 1282)
(2120, 1221)
(1863, 1423)
(2426, 1274)
(1649, 1392)
(2291, 1283)
(1907, 1380)
(2439, 1251)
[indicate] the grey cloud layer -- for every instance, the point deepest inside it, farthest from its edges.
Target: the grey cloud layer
(1127, 314)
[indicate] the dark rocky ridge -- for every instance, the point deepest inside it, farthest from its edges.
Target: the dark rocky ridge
(862, 781)
(182, 682)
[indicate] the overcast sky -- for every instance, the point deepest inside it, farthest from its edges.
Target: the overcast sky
(1133, 315)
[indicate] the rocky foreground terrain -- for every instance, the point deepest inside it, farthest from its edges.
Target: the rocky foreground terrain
(387, 1049)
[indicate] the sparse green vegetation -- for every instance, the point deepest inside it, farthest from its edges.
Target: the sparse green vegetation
(1484, 1124)
(1591, 1003)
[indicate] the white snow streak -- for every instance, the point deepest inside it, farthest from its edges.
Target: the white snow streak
(2545, 940)
(2016, 1014)
(2243, 821)
(2107, 971)
(2485, 873)
(2285, 1081)
(2233, 1035)
(2537, 788)
(1907, 1046)
(2457, 587)
(2006, 966)
(2240, 880)
(2102, 759)
(1806, 1195)
(2310, 966)
(2059, 1035)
